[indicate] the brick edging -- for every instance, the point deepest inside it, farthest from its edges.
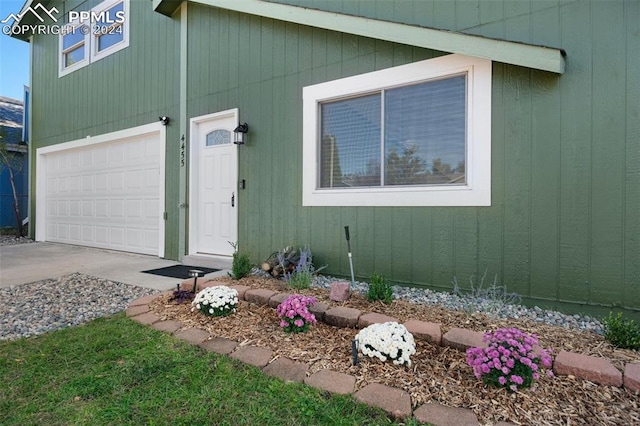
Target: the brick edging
(595, 369)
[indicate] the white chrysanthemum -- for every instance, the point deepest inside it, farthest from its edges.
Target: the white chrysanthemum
(388, 340)
(216, 298)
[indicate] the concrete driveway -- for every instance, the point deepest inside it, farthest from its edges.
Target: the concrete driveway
(25, 263)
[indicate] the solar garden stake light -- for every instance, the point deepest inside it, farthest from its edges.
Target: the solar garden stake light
(354, 351)
(346, 233)
(195, 274)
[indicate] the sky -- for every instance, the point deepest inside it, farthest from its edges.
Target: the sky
(14, 56)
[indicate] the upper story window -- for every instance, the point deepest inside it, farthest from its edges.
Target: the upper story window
(94, 35)
(111, 32)
(413, 135)
(74, 49)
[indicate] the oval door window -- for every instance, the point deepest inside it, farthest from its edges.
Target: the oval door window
(218, 137)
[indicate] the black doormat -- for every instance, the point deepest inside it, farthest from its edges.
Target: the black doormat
(178, 271)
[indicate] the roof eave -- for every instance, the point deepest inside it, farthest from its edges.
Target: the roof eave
(522, 54)
(27, 20)
(166, 7)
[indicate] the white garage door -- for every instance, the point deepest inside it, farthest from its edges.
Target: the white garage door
(106, 195)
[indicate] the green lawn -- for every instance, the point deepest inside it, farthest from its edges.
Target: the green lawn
(114, 371)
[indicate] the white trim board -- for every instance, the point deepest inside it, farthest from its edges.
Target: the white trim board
(476, 191)
(509, 52)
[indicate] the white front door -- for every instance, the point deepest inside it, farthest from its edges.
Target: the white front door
(213, 185)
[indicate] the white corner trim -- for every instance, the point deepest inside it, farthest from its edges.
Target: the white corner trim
(41, 169)
(476, 192)
(522, 54)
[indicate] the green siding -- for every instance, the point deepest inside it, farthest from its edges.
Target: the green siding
(130, 88)
(631, 233)
(564, 224)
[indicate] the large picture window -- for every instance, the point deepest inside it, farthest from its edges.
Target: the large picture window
(417, 134)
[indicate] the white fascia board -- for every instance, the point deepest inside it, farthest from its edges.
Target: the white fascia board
(521, 54)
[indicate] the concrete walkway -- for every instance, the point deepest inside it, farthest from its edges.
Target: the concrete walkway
(26, 263)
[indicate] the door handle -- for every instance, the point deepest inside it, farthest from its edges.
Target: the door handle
(233, 199)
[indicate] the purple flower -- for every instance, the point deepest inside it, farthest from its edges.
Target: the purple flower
(517, 379)
(507, 351)
(294, 311)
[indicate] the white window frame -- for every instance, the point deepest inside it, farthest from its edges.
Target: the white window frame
(64, 70)
(91, 38)
(108, 4)
(476, 191)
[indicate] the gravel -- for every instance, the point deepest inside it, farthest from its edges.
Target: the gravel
(496, 305)
(48, 305)
(43, 306)
(10, 240)
(492, 306)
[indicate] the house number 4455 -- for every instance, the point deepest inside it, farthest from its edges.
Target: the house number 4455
(182, 148)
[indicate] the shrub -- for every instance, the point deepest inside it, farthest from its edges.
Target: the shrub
(182, 296)
(509, 360)
(621, 333)
(241, 265)
(216, 301)
(489, 299)
(302, 275)
(294, 313)
(387, 341)
(379, 289)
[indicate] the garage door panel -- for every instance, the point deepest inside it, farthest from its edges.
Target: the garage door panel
(74, 208)
(134, 237)
(150, 238)
(87, 183)
(151, 178)
(106, 195)
(117, 236)
(101, 182)
(134, 210)
(151, 208)
(88, 235)
(86, 158)
(102, 235)
(115, 154)
(116, 181)
(101, 208)
(75, 233)
(63, 185)
(134, 179)
(88, 209)
(116, 210)
(75, 184)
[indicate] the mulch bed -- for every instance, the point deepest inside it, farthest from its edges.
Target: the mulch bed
(437, 373)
